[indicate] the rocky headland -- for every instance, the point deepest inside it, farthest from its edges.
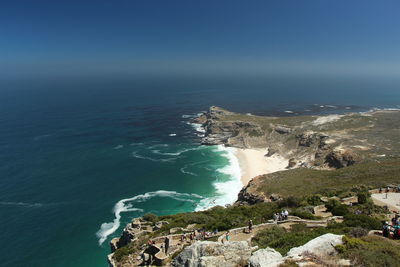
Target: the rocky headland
(332, 141)
(330, 161)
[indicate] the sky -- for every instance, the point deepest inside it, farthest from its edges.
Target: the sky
(203, 36)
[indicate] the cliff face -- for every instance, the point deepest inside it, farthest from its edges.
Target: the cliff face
(333, 141)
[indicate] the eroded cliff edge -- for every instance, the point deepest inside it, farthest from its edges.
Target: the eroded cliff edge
(332, 141)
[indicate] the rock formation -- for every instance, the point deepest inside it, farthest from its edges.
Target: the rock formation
(213, 254)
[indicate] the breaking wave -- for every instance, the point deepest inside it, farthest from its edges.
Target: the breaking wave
(126, 205)
(226, 190)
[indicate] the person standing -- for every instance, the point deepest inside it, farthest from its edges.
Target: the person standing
(227, 236)
(250, 226)
(166, 245)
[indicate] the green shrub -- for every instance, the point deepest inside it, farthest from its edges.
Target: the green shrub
(314, 200)
(291, 202)
(120, 253)
(331, 204)
(302, 214)
(363, 221)
(150, 217)
(341, 248)
(362, 197)
(340, 210)
(358, 232)
(371, 251)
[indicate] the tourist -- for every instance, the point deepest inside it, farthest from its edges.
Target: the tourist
(275, 217)
(166, 246)
(386, 229)
(183, 237)
(250, 226)
(286, 214)
(227, 236)
(396, 231)
(191, 237)
(386, 191)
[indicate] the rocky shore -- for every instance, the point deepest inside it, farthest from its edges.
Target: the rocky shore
(333, 141)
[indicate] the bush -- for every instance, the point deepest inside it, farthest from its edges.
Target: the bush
(363, 221)
(291, 202)
(331, 204)
(340, 210)
(314, 200)
(150, 217)
(341, 248)
(362, 197)
(358, 232)
(302, 214)
(371, 251)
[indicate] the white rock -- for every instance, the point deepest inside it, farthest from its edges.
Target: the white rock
(267, 257)
(210, 254)
(321, 246)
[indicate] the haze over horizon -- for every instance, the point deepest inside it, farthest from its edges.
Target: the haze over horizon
(53, 38)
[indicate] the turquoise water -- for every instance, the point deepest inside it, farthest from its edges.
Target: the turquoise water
(80, 159)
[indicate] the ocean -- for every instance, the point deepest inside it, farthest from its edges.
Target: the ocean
(81, 157)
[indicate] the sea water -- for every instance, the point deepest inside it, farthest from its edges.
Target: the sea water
(81, 158)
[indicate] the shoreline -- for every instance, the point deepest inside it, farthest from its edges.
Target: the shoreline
(253, 162)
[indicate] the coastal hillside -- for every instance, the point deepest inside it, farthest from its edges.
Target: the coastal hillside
(326, 208)
(332, 141)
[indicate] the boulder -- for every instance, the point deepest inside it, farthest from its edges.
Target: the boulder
(210, 254)
(267, 257)
(340, 159)
(292, 163)
(283, 129)
(321, 246)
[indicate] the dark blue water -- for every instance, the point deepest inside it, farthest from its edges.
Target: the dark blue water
(71, 149)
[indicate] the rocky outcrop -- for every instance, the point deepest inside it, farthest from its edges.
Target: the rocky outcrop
(267, 257)
(282, 129)
(340, 159)
(210, 254)
(250, 195)
(313, 141)
(131, 232)
(317, 252)
(321, 246)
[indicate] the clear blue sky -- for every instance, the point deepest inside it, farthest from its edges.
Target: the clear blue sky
(218, 35)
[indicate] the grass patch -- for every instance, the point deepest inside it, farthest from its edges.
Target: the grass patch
(303, 181)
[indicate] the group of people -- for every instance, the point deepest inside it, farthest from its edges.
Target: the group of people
(282, 216)
(392, 229)
(198, 235)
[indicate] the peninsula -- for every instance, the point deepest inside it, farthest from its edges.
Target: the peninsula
(328, 172)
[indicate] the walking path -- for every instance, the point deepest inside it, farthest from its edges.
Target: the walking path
(392, 201)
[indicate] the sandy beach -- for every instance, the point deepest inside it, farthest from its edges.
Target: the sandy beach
(253, 163)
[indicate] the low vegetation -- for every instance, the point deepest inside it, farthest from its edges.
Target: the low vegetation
(342, 182)
(371, 251)
(281, 240)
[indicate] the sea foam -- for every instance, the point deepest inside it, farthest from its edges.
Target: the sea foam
(126, 205)
(226, 191)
